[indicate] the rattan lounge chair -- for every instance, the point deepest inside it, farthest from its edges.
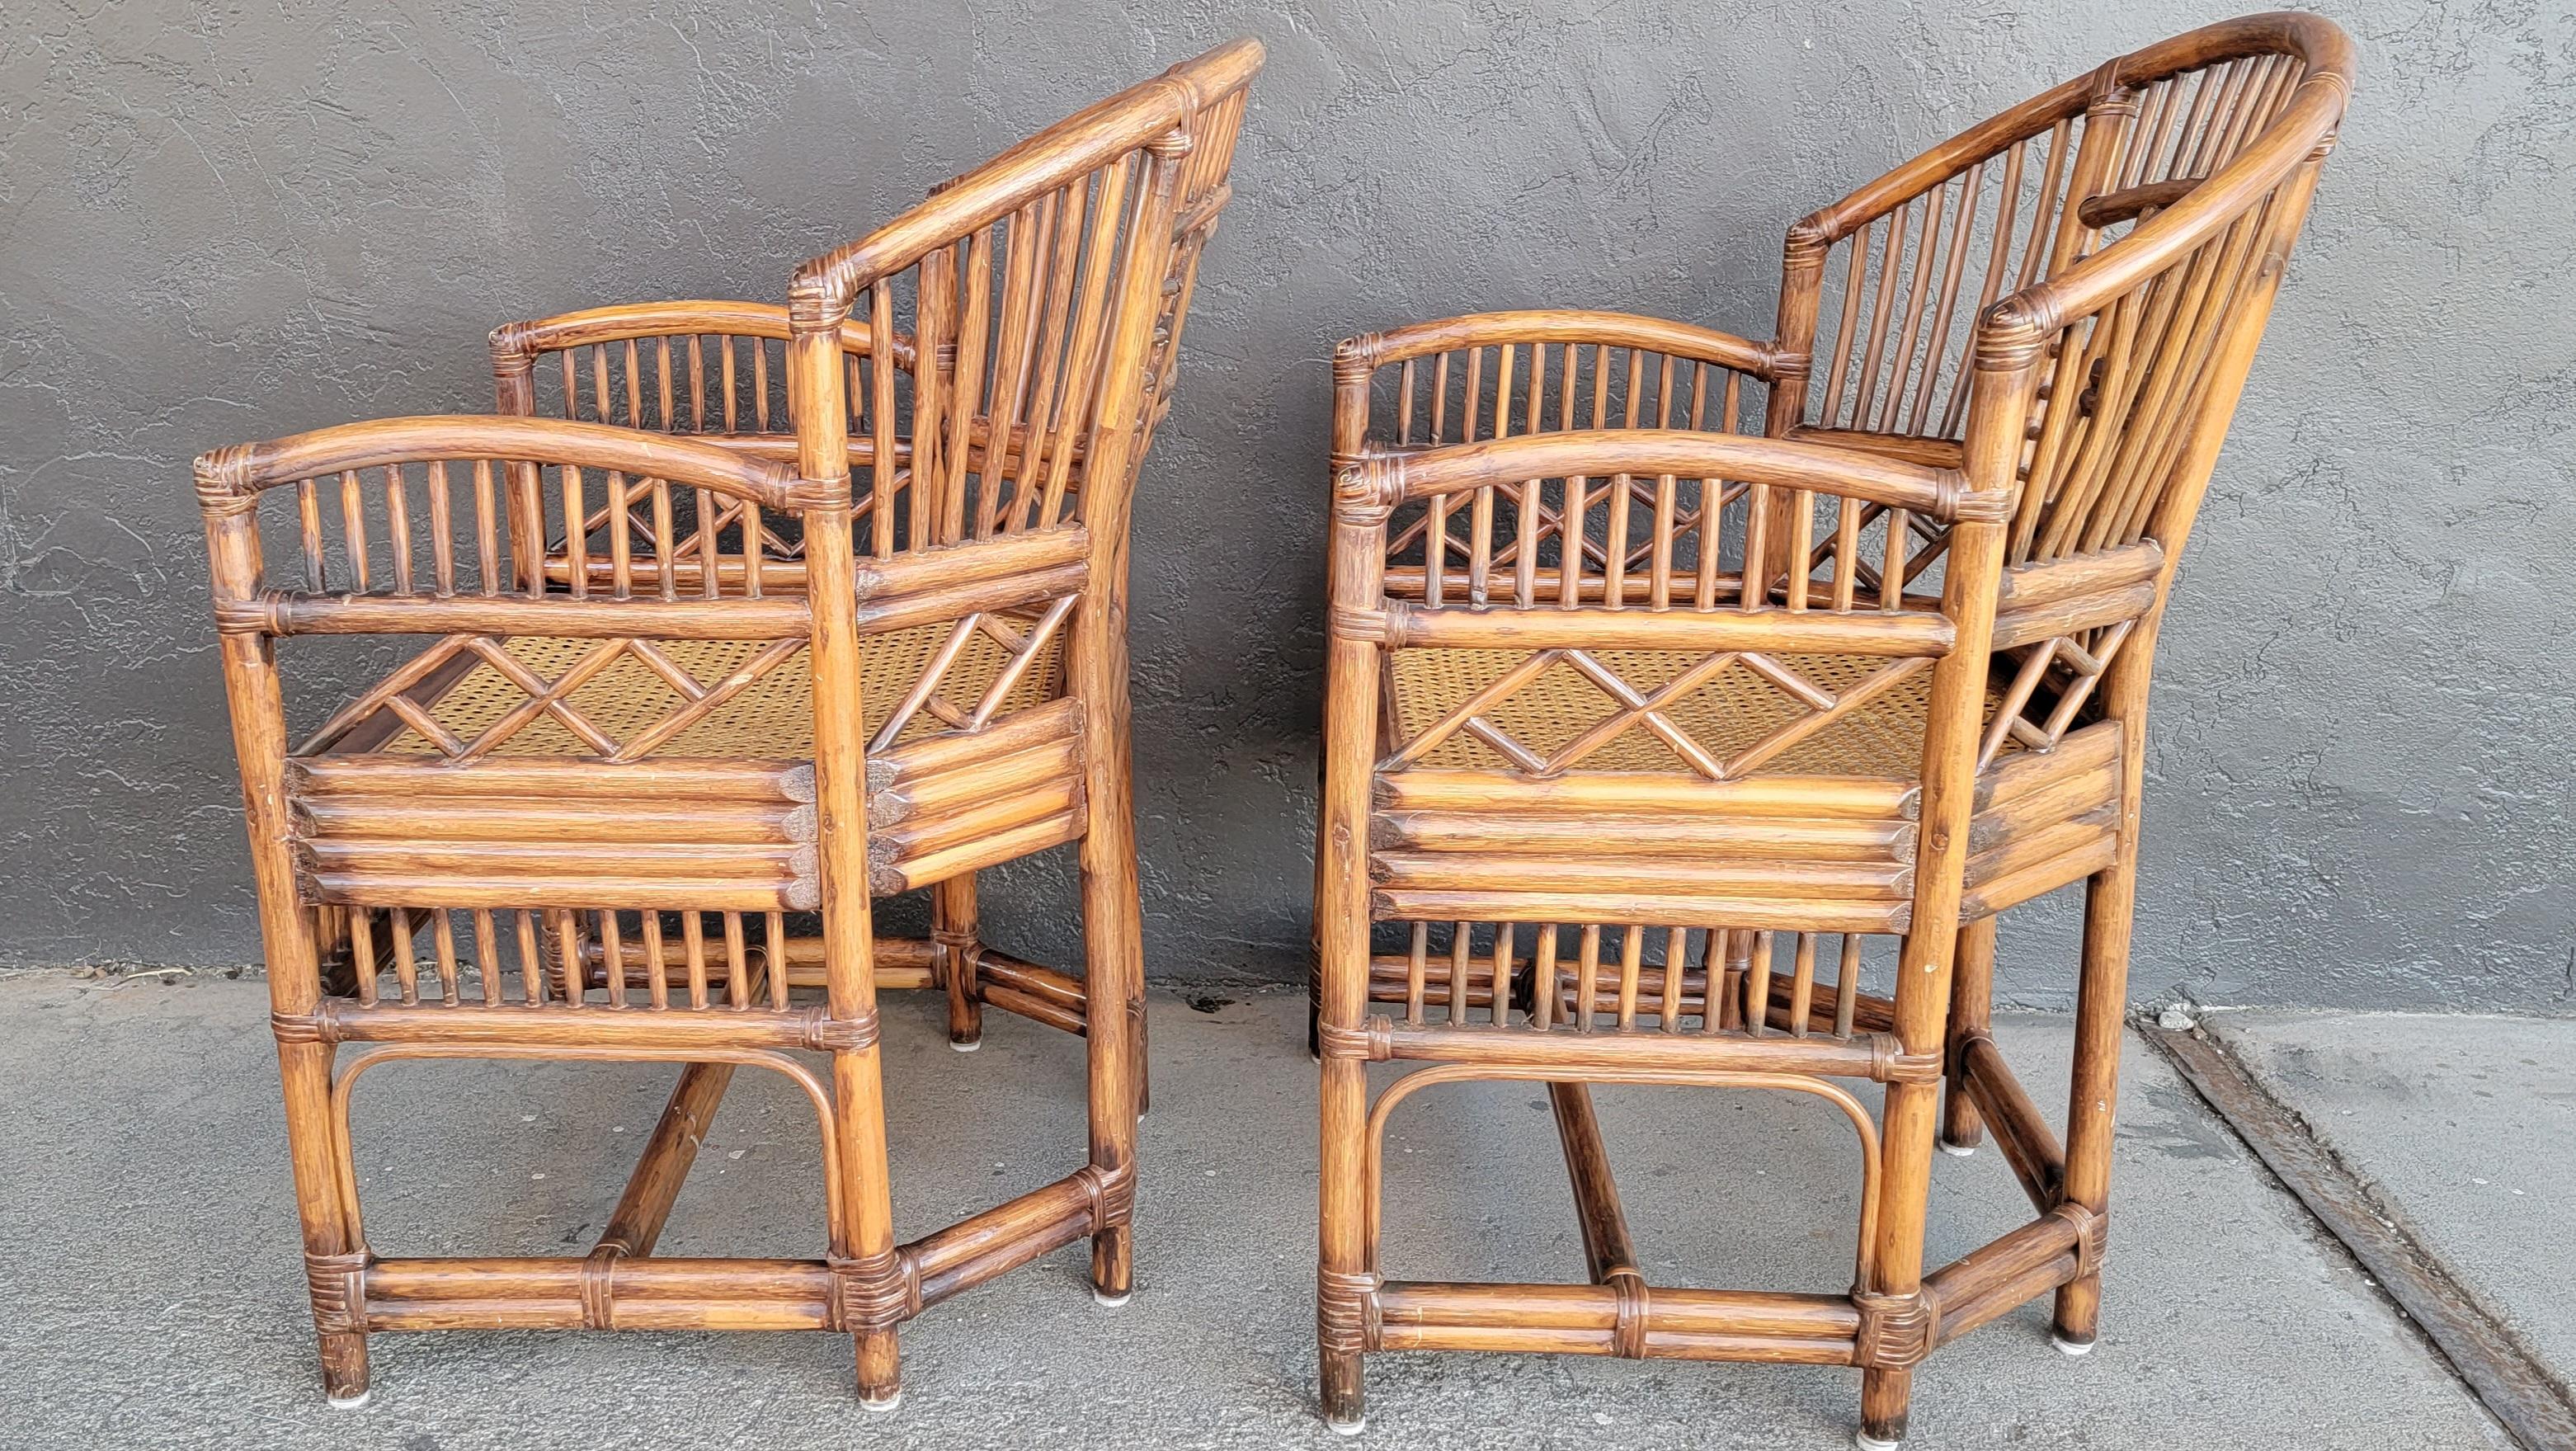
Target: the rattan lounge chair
(809, 604)
(1668, 669)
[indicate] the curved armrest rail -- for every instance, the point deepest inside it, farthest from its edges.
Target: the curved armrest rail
(1385, 479)
(518, 342)
(1559, 325)
(230, 480)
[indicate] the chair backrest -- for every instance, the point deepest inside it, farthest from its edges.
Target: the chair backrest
(2129, 224)
(1046, 290)
(2138, 222)
(1057, 257)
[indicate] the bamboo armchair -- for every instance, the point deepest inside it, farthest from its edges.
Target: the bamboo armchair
(1668, 668)
(851, 625)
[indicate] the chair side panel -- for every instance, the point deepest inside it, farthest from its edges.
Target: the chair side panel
(538, 833)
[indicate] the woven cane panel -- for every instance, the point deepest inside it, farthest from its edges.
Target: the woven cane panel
(772, 718)
(1728, 714)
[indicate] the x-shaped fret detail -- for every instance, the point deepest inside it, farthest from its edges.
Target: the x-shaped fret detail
(695, 700)
(1024, 646)
(717, 512)
(2075, 664)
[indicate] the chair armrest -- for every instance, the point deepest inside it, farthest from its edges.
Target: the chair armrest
(1389, 504)
(230, 480)
(516, 345)
(1357, 361)
(1561, 325)
(1931, 453)
(1020, 570)
(471, 492)
(1392, 478)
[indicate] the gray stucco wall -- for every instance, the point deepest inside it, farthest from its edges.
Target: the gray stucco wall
(223, 221)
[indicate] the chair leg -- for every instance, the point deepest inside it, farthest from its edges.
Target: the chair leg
(334, 1256)
(1908, 1124)
(1884, 1395)
(1908, 1128)
(2102, 1002)
(867, 1235)
(1972, 1010)
(955, 929)
(1346, 1255)
(1344, 1247)
(1114, 990)
(1315, 946)
(1607, 1249)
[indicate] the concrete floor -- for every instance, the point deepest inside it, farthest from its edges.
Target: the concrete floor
(154, 1298)
(2462, 1128)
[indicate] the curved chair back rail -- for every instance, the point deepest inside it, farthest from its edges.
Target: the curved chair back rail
(1164, 110)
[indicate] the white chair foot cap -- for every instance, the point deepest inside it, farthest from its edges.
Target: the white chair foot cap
(350, 1403)
(1347, 1428)
(888, 1404)
(966, 1047)
(2070, 1347)
(1958, 1151)
(1867, 1442)
(1108, 1301)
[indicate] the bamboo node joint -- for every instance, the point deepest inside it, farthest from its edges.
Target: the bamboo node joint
(1628, 1331)
(300, 1028)
(827, 1034)
(599, 1289)
(1367, 492)
(1368, 626)
(1113, 1194)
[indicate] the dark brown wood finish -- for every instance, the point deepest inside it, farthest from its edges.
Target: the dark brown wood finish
(1666, 668)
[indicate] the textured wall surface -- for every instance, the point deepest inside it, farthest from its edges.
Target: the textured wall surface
(225, 220)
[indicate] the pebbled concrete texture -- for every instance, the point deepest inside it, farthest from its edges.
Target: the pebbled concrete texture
(155, 1301)
(228, 221)
(2462, 1129)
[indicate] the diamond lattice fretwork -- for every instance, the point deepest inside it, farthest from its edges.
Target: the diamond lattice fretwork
(1718, 716)
(2049, 690)
(469, 697)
